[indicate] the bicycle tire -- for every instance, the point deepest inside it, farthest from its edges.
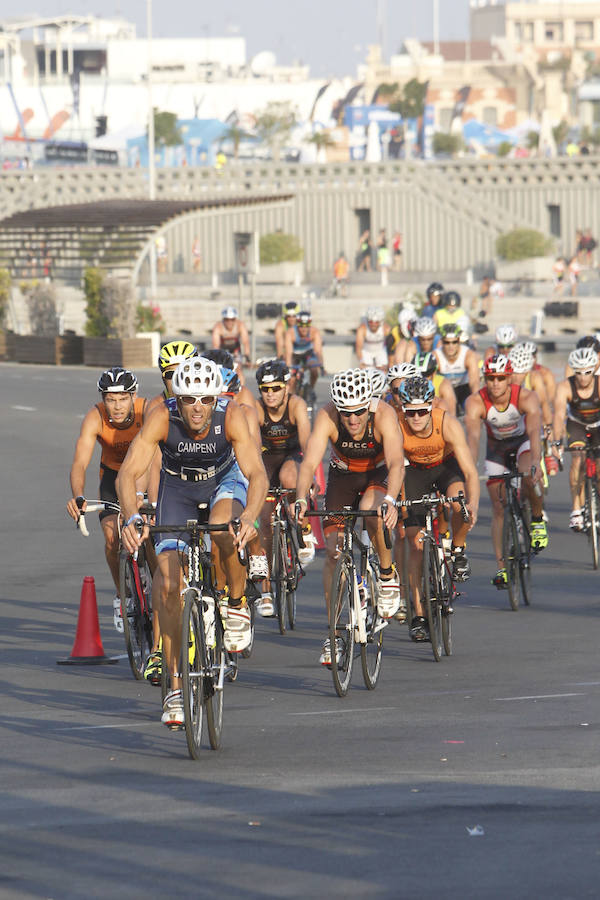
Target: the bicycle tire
(371, 652)
(510, 556)
(446, 610)
(292, 579)
(213, 696)
(525, 554)
(341, 623)
(278, 579)
(134, 579)
(193, 671)
(591, 502)
(430, 598)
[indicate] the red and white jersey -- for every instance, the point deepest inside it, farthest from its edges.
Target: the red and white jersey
(506, 423)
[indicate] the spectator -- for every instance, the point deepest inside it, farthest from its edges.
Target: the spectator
(574, 269)
(161, 254)
(579, 245)
(397, 251)
(572, 149)
(196, 255)
(590, 244)
(365, 247)
(558, 275)
(340, 275)
(383, 256)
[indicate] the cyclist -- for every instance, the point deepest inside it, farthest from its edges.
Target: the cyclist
(366, 467)
(285, 429)
(524, 373)
(283, 324)
(425, 337)
(202, 440)
(113, 423)
(399, 345)
(577, 414)
(458, 364)
(589, 340)
(545, 372)
(171, 354)
(426, 365)
(439, 459)
(451, 312)
(513, 421)
(506, 338)
(304, 348)
(370, 345)
(434, 293)
(231, 334)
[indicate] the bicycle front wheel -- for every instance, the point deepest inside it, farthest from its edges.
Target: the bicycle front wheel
(523, 532)
(193, 670)
(291, 565)
(279, 575)
(591, 502)
(135, 583)
(341, 623)
(431, 597)
(214, 685)
(446, 609)
(510, 553)
(371, 652)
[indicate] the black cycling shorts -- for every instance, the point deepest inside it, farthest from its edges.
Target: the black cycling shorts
(418, 482)
(108, 489)
(345, 489)
(274, 461)
(577, 437)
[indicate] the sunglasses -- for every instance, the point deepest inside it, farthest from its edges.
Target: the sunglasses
(496, 377)
(422, 411)
(191, 401)
(505, 346)
(450, 342)
(271, 388)
(587, 372)
(346, 413)
(168, 376)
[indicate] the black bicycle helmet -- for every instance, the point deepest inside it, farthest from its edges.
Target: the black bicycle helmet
(417, 390)
(588, 341)
(451, 298)
(117, 380)
(220, 356)
(272, 371)
(426, 363)
(304, 317)
(434, 288)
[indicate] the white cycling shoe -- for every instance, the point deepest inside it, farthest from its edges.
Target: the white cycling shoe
(306, 554)
(388, 601)
(258, 568)
(117, 616)
(264, 605)
(238, 630)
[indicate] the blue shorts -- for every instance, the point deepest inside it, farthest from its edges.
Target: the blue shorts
(178, 501)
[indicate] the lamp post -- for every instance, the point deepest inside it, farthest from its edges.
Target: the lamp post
(151, 160)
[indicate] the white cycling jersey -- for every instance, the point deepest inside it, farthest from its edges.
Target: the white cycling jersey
(456, 370)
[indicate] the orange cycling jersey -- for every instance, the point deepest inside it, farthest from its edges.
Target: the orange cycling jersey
(426, 452)
(115, 441)
(357, 455)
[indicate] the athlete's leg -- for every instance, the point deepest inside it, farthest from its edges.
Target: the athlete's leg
(111, 547)
(169, 611)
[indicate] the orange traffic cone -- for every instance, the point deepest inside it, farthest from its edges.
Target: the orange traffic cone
(317, 530)
(320, 479)
(87, 649)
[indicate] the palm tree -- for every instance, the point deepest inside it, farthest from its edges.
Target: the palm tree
(322, 140)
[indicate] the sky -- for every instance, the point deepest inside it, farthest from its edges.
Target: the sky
(331, 36)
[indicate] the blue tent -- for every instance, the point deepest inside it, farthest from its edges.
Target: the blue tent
(201, 142)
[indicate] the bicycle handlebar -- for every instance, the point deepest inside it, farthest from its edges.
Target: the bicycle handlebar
(147, 509)
(192, 524)
(432, 500)
(346, 513)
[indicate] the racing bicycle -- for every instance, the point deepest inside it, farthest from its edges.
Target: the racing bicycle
(286, 570)
(516, 540)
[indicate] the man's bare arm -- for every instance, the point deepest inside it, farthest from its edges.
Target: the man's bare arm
(84, 450)
(474, 414)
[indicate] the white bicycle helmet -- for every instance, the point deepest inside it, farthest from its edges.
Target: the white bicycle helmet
(374, 314)
(197, 377)
(352, 387)
(406, 321)
(506, 336)
(521, 359)
(583, 358)
(230, 312)
(530, 346)
(402, 370)
(378, 380)
(425, 327)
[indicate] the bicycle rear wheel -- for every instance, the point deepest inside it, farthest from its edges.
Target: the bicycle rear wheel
(215, 684)
(431, 598)
(523, 532)
(135, 582)
(591, 502)
(279, 575)
(341, 623)
(446, 608)
(291, 561)
(510, 554)
(193, 670)
(371, 652)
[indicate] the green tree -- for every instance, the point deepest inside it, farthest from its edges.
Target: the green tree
(236, 135)
(410, 103)
(5, 286)
(166, 132)
(560, 132)
(98, 322)
(274, 125)
(279, 247)
(504, 148)
(532, 140)
(321, 139)
(523, 243)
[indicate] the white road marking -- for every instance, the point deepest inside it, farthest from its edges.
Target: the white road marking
(96, 727)
(583, 683)
(330, 712)
(542, 696)
(25, 408)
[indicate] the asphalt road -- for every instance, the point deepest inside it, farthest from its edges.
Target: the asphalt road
(370, 796)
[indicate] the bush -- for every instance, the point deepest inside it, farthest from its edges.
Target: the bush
(279, 247)
(149, 318)
(447, 143)
(4, 294)
(523, 243)
(41, 305)
(118, 301)
(504, 148)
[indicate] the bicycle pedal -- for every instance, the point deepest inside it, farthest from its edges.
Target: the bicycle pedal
(383, 623)
(176, 727)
